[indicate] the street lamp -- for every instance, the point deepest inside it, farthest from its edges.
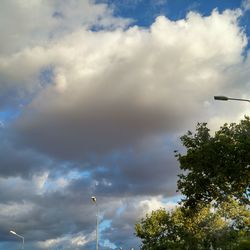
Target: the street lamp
(95, 202)
(20, 236)
(225, 98)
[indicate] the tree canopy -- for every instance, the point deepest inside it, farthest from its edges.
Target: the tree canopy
(215, 183)
(216, 167)
(226, 227)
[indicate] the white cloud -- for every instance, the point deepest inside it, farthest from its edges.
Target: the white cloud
(40, 180)
(44, 183)
(125, 212)
(154, 203)
(2, 124)
(131, 85)
(28, 23)
(16, 210)
(29, 27)
(161, 2)
(69, 241)
(246, 5)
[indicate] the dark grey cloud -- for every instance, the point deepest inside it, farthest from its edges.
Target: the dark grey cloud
(43, 213)
(95, 128)
(142, 171)
(18, 160)
(43, 216)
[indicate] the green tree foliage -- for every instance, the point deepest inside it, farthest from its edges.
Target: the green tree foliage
(157, 231)
(204, 228)
(215, 182)
(216, 167)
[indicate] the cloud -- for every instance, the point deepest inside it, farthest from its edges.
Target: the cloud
(147, 170)
(20, 161)
(67, 216)
(132, 210)
(77, 241)
(46, 215)
(34, 24)
(246, 5)
(135, 84)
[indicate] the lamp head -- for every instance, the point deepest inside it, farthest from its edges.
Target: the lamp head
(12, 232)
(93, 199)
(221, 98)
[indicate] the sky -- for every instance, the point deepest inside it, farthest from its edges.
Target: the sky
(94, 96)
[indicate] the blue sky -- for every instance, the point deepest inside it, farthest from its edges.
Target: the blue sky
(144, 12)
(94, 96)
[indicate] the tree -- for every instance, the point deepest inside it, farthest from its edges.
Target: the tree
(203, 228)
(157, 231)
(215, 182)
(216, 167)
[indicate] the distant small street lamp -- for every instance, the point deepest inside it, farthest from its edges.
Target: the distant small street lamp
(225, 98)
(97, 215)
(18, 235)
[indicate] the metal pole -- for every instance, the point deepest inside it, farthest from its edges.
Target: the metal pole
(97, 219)
(97, 222)
(20, 236)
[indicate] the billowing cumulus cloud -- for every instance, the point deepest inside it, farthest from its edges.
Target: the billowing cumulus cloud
(99, 104)
(113, 89)
(30, 25)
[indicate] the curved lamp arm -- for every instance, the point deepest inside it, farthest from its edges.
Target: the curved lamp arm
(18, 235)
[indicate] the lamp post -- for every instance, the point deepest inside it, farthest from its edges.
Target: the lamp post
(225, 98)
(18, 235)
(95, 202)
